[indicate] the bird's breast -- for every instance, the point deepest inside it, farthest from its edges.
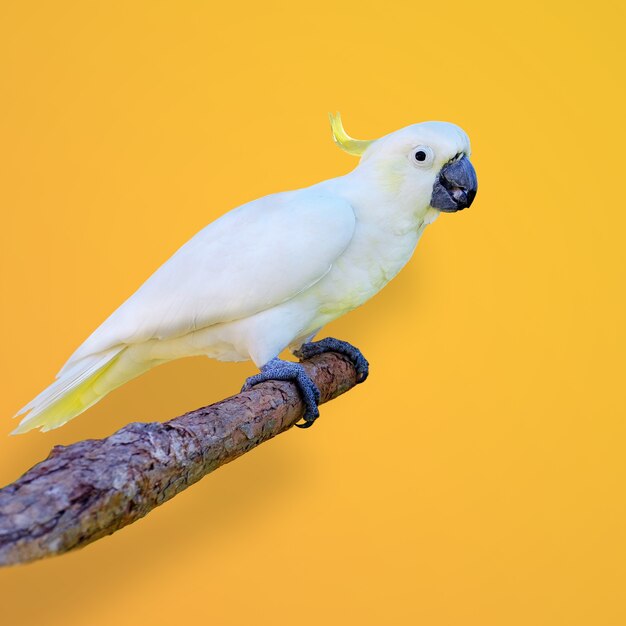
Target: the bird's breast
(372, 259)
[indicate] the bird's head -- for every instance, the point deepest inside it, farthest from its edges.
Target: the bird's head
(428, 163)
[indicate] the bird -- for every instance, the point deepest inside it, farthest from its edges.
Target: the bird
(271, 273)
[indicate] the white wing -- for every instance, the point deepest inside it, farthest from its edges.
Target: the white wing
(254, 257)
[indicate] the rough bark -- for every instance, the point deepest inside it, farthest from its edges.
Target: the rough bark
(92, 488)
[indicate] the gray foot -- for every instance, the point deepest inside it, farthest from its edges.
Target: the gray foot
(277, 369)
(307, 350)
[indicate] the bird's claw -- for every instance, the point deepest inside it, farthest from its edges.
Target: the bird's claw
(277, 369)
(330, 344)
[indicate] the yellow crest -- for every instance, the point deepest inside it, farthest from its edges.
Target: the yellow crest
(355, 147)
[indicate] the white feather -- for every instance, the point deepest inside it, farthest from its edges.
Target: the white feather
(253, 258)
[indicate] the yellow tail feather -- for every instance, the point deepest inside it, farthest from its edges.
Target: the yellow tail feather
(64, 406)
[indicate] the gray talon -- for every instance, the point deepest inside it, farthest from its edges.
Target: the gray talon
(277, 369)
(330, 344)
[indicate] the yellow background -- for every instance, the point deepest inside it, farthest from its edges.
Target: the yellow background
(478, 477)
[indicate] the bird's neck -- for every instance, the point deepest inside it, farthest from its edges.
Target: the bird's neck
(384, 205)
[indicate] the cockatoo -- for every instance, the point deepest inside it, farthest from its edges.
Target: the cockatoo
(271, 273)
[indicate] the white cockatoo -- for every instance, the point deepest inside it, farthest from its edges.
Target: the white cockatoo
(271, 273)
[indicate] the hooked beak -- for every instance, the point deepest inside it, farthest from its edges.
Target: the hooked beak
(455, 187)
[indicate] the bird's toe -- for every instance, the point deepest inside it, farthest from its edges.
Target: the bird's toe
(277, 369)
(330, 344)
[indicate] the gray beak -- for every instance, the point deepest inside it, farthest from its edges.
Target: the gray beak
(455, 187)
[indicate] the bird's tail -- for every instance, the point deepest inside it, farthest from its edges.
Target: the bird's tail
(79, 387)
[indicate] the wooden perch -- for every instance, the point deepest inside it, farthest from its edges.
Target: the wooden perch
(92, 488)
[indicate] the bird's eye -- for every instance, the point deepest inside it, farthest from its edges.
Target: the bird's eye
(422, 156)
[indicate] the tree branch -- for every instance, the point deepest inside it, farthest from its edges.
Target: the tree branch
(92, 488)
